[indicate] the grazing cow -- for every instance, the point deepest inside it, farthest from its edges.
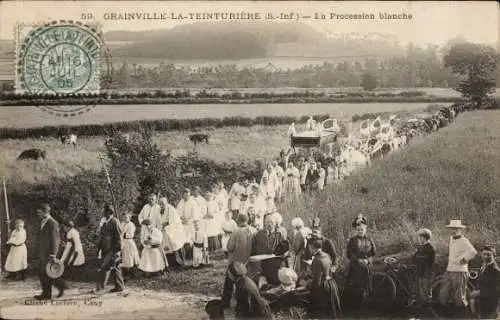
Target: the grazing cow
(68, 139)
(32, 154)
(198, 138)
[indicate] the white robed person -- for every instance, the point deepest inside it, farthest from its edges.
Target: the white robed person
(174, 236)
(150, 211)
(130, 254)
(212, 222)
(73, 256)
(189, 211)
(153, 258)
(17, 259)
(291, 186)
(200, 246)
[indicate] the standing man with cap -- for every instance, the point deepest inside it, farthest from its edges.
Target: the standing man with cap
(47, 245)
(454, 289)
(110, 244)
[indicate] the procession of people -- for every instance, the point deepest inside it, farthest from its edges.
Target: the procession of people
(244, 224)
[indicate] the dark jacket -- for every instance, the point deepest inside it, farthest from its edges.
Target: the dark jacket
(110, 239)
(263, 243)
(489, 283)
(424, 259)
(48, 240)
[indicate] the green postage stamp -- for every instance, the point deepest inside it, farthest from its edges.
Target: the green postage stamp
(60, 57)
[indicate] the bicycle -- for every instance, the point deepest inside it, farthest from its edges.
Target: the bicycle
(392, 287)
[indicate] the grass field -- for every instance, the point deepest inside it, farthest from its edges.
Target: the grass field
(26, 117)
(226, 144)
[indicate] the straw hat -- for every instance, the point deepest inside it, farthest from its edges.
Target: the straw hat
(456, 224)
(54, 269)
(287, 276)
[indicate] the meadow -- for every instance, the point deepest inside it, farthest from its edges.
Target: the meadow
(29, 117)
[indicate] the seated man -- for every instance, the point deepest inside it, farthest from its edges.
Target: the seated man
(249, 302)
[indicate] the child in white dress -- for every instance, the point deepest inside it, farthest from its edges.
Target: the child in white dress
(17, 259)
(200, 246)
(130, 254)
(153, 258)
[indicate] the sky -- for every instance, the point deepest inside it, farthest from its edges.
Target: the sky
(432, 22)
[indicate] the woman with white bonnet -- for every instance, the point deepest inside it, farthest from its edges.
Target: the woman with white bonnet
(288, 281)
(278, 222)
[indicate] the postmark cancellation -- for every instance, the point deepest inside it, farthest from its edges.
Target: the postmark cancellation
(59, 57)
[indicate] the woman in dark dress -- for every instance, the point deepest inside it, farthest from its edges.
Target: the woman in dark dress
(324, 299)
(360, 251)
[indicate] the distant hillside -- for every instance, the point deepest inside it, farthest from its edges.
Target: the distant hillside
(242, 41)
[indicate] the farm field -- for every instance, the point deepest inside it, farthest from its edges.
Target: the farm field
(27, 117)
(226, 145)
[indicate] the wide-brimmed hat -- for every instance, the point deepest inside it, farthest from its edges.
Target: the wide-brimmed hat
(456, 224)
(296, 222)
(287, 276)
(54, 269)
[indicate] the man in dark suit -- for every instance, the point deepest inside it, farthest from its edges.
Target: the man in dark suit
(110, 246)
(489, 285)
(47, 245)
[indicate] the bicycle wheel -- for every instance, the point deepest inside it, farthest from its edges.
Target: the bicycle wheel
(382, 288)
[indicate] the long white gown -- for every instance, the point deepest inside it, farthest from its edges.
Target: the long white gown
(190, 211)
(130, 254)
(152, 256)
(17, 259)
(174, 236)
(200, 255)
(76, 253)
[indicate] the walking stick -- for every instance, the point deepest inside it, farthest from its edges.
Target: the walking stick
(7, 220)
(110, 186)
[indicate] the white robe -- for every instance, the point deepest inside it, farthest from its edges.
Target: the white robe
(321, 180)
(152, 259)
(212, 219)
(70, 252)
(188, 211)
(259, 206)
(235, 196)
(268, 192)
(200, 255)
(130, 254)
(292, 183)
(152, 213)
(174, 236)
(222, 200)
(17, 259)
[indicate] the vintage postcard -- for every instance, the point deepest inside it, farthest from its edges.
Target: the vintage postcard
(249, 159)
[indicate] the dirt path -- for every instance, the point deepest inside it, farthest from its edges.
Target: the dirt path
(16, 302)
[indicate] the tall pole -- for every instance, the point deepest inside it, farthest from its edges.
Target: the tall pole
(7, 220)
(6, 202)
(109, 185)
